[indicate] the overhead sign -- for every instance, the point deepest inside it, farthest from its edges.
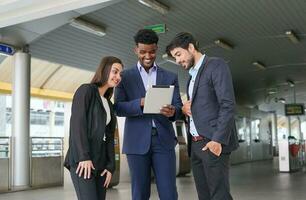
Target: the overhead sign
(158, 28)
(6, 49)
(294, 109)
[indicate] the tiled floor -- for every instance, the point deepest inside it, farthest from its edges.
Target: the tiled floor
(250, 181)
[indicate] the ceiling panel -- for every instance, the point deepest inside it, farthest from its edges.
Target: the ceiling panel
(47, 75)
(255, 28)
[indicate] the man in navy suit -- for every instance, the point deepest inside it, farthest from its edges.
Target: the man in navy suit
(210, 110)
(149, 140)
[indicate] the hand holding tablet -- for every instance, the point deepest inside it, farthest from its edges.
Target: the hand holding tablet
(158, 100)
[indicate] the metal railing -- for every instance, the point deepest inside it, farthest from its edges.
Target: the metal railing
(47, 155)
(296, 154)
(47, 146)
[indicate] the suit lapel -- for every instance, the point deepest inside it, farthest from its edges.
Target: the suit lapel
(139, 81)
(97, 95)
(197, 80)
(187, 89)
(159, 76)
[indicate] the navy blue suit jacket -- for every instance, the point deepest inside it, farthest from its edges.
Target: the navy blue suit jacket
(138, 126)
(213, 103)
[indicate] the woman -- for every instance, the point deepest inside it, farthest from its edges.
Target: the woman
(90, 157)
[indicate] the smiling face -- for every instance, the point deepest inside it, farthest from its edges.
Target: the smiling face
(183, 57)
(114, 77)
(146, 54)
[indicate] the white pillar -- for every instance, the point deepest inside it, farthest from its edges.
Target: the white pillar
(274, 130)
(289, 127)
(300, 129)
(21, 121)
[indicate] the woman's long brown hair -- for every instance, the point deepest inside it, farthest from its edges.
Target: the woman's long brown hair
(102, 73)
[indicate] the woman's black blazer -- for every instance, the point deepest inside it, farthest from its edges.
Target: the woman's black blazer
(89, 137)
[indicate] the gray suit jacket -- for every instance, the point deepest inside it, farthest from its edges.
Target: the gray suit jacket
(213, 104)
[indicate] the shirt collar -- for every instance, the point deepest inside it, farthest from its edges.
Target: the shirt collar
(140, 67)
(196, 67)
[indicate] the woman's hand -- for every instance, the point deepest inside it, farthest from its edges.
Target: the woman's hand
(107, 178)
(85, 166)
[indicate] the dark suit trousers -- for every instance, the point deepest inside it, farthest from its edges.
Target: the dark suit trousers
(162, 162)
(211, 173)
(88, 189)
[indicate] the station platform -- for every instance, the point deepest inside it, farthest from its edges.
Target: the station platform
(249, 181)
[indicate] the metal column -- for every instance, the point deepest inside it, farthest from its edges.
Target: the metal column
(21, 121)
(289, 126)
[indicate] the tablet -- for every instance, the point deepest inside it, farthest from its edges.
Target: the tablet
(156, 97)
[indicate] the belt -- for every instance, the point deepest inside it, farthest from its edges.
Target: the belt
(197, 138)
(153, 131)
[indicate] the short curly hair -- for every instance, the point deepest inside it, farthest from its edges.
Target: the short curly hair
(146, 36)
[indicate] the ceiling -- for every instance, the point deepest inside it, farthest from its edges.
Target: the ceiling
(47, 75)
(48, 80)
(256, 29)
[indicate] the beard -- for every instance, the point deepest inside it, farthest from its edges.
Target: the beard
(190, 63)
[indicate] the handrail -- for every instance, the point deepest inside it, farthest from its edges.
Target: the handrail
(47, 137)
(40, 143)
(47, 148)
(5, 146)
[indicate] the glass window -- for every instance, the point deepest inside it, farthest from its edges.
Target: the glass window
(39, 117)
(241, 128)
(295, 127)
(282, 127)
(59, 119)
(46, 117)
(5, 116)
(303, 128)
(255, 127)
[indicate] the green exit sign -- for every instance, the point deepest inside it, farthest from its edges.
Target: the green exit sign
(158, 28)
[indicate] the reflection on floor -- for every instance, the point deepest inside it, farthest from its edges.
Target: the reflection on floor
(250, 181)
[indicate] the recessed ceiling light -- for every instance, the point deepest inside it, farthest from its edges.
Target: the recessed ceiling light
(292, 36)
(155, 5)
(88, 27)
(223, 44)
(259, 65)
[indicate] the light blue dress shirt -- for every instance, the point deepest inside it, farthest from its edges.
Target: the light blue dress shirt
(148, 78)
(193, 73)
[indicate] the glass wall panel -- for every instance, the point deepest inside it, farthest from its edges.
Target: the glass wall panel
(295, 127)
(46, 117)
(303, 129)
(255, 127)
(282, 127)
(240, 124)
